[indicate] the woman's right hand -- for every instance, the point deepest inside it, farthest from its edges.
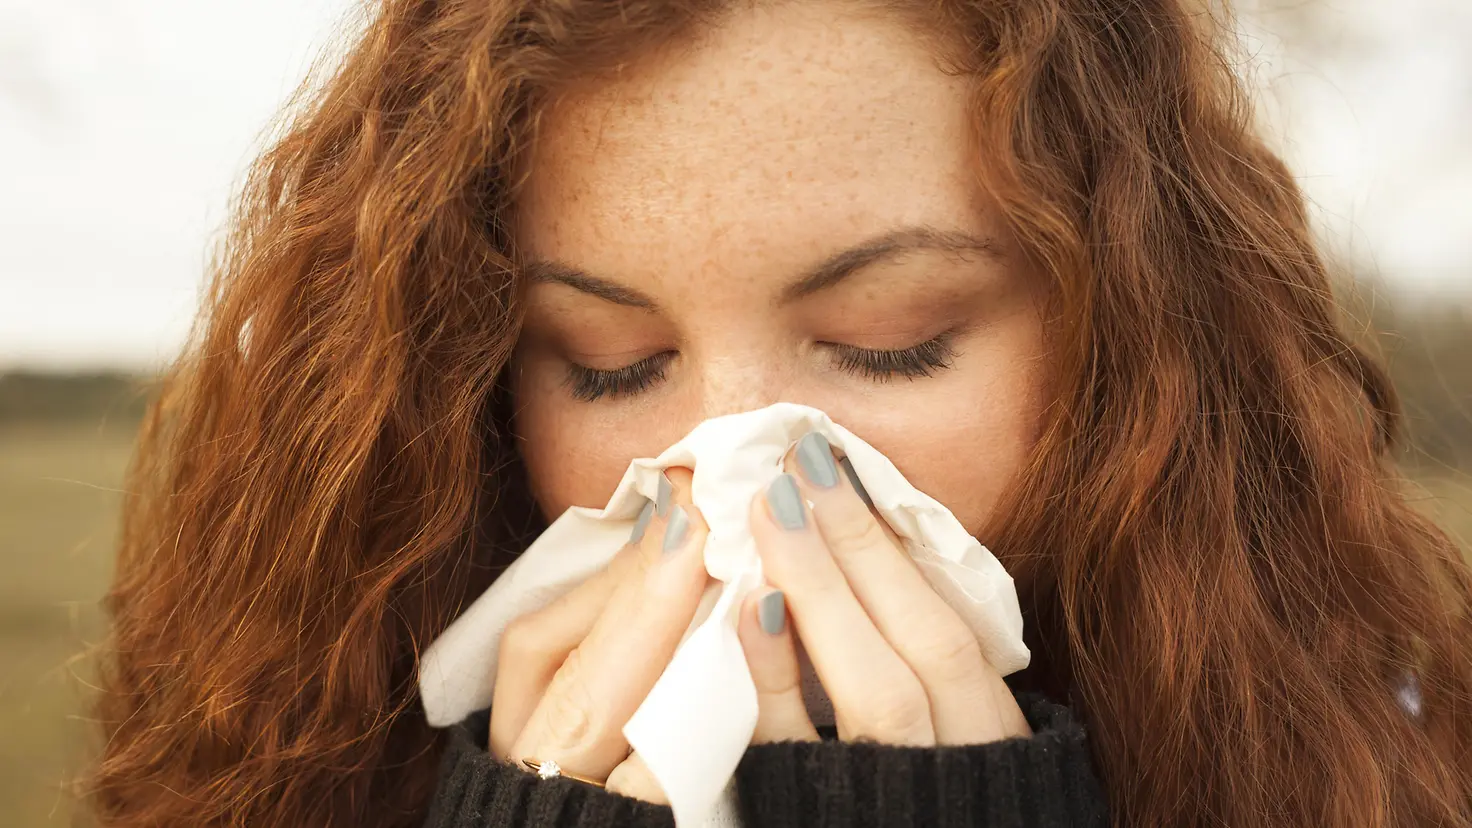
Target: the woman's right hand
(570, 675)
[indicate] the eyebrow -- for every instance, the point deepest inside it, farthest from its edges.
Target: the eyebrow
(833, 270)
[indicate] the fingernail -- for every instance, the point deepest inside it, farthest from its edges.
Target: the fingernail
(816, 458)
(643, 522)
(785, 501)
(662, 501)
(853, 479)
(771, 611)
(676, 530)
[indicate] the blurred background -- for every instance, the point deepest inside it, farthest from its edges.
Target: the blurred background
(125, 126)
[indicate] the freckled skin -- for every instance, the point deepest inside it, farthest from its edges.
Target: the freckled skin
(709, 180)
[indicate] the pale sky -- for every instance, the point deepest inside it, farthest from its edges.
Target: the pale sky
(126, 124)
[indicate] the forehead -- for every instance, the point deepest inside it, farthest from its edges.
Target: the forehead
(786, 126)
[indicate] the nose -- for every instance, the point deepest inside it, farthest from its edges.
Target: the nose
(736, 383)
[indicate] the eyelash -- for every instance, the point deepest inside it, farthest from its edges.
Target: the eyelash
(914, 362)
(589, 384)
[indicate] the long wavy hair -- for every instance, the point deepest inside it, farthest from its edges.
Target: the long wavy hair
(1219, 568)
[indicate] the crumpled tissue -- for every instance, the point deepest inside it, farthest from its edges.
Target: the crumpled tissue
(694, 726)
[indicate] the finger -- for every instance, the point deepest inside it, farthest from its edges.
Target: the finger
(534, 646)
(969, 703)
(766, 638)
(874, 693)
(579, 721)
(632, 778)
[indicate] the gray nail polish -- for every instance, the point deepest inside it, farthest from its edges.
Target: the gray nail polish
(853, 479)
(676, 530)
(815, 457)
(662, 500)
(643, 522)
(771, 611)
(785, 501)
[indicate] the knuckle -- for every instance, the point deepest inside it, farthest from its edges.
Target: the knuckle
(672, 584)
(572, 722)
(779, 682)
(818, 588)
(522, 642)
(651, 554)
(951, 653)
(897, 713)
(849, 534)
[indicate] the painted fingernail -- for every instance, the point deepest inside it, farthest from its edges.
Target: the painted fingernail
(771, 611)
(785, 501)
(676, 530)
(662, 500)
(816, 458)
(643, 522)
(853, 479)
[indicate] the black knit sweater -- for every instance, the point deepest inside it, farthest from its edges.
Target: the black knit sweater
(1045, 781)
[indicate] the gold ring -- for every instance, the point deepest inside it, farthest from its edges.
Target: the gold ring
(551, 770)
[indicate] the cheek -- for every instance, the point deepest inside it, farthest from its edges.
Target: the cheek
(966, 455)
(966, 445)
(568, 461)
(575, 453)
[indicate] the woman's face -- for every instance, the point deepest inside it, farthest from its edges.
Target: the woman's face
(787, 213)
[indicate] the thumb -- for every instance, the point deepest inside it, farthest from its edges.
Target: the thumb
(633, 779)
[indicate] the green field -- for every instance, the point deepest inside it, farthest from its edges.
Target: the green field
(59, 501)
(59, 498)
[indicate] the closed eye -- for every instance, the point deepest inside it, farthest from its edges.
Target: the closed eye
(591, 384)
(878, 365)
(916, 361)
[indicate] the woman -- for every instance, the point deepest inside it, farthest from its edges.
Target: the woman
(1031, 251)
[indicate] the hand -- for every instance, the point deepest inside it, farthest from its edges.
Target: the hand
(899, 665)
(570, 675)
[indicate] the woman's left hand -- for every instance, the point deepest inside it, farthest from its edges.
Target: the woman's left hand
(899, 664)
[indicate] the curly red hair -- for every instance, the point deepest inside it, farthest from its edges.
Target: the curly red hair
(1219, 568)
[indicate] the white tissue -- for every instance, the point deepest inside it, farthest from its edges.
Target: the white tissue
(696, 723)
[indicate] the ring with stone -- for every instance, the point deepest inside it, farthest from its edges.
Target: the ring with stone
(551, 770)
